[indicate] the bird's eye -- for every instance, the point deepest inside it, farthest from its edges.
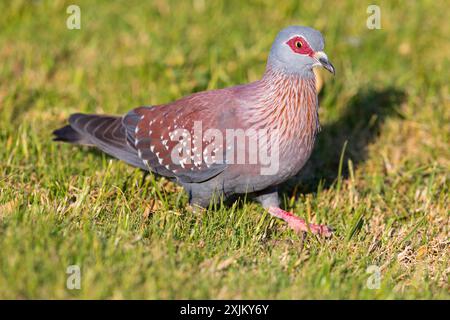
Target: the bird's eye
(298, 44)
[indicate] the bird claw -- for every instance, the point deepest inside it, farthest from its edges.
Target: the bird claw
(195, 208)
(300, 225)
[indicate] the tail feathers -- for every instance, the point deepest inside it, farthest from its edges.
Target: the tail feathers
(68, 134)
(105, 132)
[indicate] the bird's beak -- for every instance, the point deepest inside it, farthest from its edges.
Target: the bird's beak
(323, 61)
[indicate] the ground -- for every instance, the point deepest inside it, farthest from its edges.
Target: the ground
(378, 175)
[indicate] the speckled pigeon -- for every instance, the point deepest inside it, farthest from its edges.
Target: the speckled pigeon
(218, 143)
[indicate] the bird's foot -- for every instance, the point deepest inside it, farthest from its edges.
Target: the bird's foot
(195, 208)
(298, 224)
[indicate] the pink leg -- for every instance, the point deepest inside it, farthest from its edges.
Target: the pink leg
(299, 224)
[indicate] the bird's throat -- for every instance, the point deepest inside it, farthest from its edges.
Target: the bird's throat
(288, 103)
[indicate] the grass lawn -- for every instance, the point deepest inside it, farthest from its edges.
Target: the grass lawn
(379, 173)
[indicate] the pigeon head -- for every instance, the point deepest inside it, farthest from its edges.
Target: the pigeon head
(296, 50)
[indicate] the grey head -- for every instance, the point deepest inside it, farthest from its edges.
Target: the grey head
(297, 49)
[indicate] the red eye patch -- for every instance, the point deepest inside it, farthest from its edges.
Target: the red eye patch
(299, 45)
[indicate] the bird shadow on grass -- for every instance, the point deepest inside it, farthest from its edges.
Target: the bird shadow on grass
(359, 125)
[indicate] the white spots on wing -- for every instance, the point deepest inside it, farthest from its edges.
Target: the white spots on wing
(198, 163)
(160, 159)
(173, 132)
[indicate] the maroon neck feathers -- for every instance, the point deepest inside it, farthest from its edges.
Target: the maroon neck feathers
(285, 102)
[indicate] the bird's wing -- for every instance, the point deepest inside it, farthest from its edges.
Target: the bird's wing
(173, 140)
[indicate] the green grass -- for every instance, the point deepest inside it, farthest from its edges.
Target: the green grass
(388, 198)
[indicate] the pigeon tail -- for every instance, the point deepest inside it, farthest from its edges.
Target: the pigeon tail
(108, 133)
(70, 135)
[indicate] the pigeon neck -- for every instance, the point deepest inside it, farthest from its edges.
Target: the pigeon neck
(277, 74)
(288, 92)
(287, 103)
(303, 71)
